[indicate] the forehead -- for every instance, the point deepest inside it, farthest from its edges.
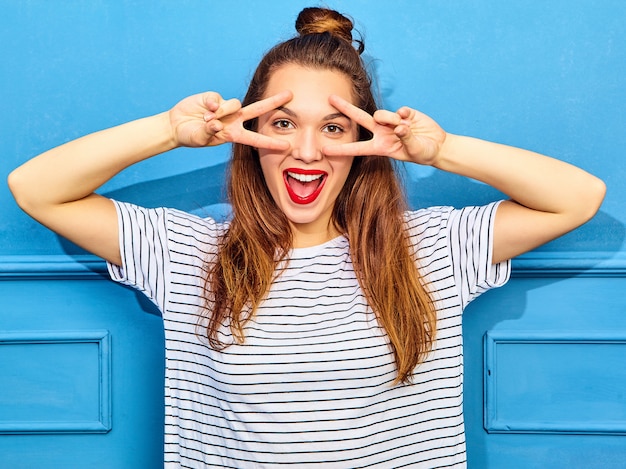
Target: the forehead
(310, 84)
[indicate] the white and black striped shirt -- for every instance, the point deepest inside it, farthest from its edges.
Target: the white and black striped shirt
(312, 384)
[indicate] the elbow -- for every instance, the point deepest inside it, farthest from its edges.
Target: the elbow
(20, 190)
(594, 193)
(13, 181)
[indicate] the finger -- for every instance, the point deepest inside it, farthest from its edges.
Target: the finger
(384, 117)
(256, 140)
(259, 108)
(227, 108)
(208, 116)
(211, 101)
(410, 143)
(349, 149)
(405, 112)
(215, 127)
(350, 110)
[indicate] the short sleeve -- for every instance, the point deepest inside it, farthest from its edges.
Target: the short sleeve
(470, 233)
(144, 251)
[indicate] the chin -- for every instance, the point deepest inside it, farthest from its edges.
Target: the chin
(307, 215)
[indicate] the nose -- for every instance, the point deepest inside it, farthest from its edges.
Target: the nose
(306, 146)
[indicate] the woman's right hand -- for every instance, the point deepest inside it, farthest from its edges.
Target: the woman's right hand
(206, 119)
(57, 187)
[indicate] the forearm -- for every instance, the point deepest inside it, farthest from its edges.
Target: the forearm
(530, 179)
(74, 170)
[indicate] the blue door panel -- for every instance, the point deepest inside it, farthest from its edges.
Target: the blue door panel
(55, 381)
(545, 384)
(81, 367)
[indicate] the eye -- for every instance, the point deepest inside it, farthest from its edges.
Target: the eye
(333, 129)
(283, 124)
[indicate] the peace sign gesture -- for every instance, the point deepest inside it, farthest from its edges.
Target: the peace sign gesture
(206, 119)
(406, 135)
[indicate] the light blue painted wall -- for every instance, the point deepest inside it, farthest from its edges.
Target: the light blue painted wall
(542, 75)
(547, 76)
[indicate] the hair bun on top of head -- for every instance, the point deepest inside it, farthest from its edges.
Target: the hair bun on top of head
(316, 20)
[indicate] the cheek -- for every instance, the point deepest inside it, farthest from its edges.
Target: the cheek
(269, 166)
(342, 167)
(264, 160)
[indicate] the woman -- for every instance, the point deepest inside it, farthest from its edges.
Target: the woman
(321, 326)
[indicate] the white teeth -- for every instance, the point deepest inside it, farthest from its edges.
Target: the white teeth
(304, 177)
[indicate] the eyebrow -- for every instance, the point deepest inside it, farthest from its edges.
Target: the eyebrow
(328, 117)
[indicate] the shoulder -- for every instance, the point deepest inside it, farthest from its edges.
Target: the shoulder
(427, 232)
(176, 223)
(441, 217)
(195, 223)
(430, 229)
(427, 221)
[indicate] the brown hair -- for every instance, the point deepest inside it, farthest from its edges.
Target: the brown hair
(368, 210)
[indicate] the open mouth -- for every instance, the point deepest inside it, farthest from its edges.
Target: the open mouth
(304, 185)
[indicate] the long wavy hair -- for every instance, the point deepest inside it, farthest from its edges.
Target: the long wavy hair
(368, 210)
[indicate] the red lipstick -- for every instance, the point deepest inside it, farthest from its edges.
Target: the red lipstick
(304, 185)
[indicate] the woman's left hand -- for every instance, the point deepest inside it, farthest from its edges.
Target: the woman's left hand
(406, 135)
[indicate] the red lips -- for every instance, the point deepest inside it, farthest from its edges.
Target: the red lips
(304, 185)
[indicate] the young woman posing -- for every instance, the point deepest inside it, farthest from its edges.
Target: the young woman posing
(322, 324)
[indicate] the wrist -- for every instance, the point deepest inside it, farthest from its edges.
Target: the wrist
(446, 154)
(141, 139)
(167, 131)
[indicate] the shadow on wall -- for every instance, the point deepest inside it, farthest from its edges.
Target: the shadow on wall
(196, 191)
(202, 192)
(602, 237)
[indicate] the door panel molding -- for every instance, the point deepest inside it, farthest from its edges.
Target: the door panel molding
(554, 382)
(534, 264)
(55, 382)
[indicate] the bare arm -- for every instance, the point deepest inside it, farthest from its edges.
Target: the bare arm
(548, 197)
(57, 187)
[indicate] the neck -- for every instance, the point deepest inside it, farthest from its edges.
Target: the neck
(305, 235)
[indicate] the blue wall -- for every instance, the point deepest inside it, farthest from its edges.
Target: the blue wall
(547, 76)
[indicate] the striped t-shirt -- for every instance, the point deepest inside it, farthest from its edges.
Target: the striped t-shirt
(312, 384)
